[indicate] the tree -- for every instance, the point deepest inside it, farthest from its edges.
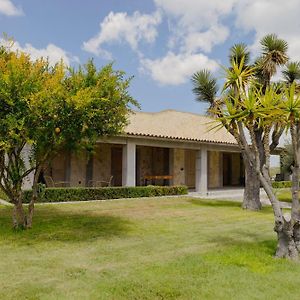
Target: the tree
(241, 72)
(50, 109)
(257, 108)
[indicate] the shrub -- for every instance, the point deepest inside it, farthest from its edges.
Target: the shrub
(103, 193)
(281, 184)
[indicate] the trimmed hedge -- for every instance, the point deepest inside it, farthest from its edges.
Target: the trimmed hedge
(103, 193)
(281, 184)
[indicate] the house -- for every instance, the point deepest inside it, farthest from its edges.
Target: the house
(167, 147)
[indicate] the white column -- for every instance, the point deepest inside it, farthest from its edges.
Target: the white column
(128, 161)
(201, 171)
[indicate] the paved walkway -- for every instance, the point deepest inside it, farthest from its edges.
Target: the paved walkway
(3, 202)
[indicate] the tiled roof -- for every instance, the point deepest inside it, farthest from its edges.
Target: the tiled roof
(173, 124)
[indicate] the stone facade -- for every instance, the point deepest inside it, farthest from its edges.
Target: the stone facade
(82, 170)
(102, 163)
(236, 169)
(215, 174)
(178, 169)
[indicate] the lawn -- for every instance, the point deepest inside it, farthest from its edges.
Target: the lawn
(167, 248)
(284, 195)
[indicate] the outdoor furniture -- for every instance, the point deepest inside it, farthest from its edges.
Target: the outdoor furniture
(100, 183)
(153, 178)
(51, 183)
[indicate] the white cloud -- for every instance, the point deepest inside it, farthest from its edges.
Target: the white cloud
(52, 52)
(176, 69)
(9, 9)
(266, 16)
(205, 41)
(120, 27)
(196, 25)
(196, 13)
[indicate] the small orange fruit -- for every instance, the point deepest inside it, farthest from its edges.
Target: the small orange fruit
(57, 130)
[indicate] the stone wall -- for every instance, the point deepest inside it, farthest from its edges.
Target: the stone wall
(190, 168)
(235, 169)
(178, 166)
(59, 165)
(215, 178)
(102, 163)
(151, 162)
(78, 169)
(145, 163)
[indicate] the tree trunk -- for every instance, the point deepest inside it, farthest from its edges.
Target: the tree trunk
(286, 247)
(19, 218)
(251, 199)
(34, 197)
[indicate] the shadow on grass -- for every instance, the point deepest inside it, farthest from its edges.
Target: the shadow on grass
(215, 203)
(52, 224)
(267, 246)
(226, 203)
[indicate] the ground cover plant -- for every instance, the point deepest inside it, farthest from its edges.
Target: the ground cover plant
(171, 248)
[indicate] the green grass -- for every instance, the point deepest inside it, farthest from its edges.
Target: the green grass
(284, 195)
(171, 248)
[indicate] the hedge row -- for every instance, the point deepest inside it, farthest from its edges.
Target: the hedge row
(281, 184)
(102, 193)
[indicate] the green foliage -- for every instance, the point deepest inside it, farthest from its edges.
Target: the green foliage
(85, 194)
(287, 159)
(274, 53)
(281, 184)
(291, 72)
(51, 108)
(239, 52)
(205, 86)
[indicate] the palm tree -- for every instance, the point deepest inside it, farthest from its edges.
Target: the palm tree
(205, 87)
(238, 52)
(291, 72)
(274, 54)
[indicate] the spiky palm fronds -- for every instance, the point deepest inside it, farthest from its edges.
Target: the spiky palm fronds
(238, 76)
(291, 72)
(274, 53)
(238, 52)
(205, 86)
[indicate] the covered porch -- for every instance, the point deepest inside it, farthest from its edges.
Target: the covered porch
(137, 162)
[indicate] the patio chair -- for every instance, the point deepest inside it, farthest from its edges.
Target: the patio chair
(100, 183)
(51, 183)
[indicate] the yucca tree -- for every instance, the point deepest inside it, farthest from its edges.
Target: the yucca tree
(238, 76)
(239, 52)
(291, 73)
(261, 108)
(205, 87)
(274, 54)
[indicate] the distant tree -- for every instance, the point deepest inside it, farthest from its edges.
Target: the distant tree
(49, 109)
(287, 159)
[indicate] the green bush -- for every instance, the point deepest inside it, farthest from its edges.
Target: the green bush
(103, 193)
(3, 196)
(281, 184)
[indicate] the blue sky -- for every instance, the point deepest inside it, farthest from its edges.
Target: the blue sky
(159, 42)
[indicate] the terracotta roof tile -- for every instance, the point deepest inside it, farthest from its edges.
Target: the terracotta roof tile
(173, 124)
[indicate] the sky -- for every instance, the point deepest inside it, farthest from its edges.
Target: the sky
(161, 43)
